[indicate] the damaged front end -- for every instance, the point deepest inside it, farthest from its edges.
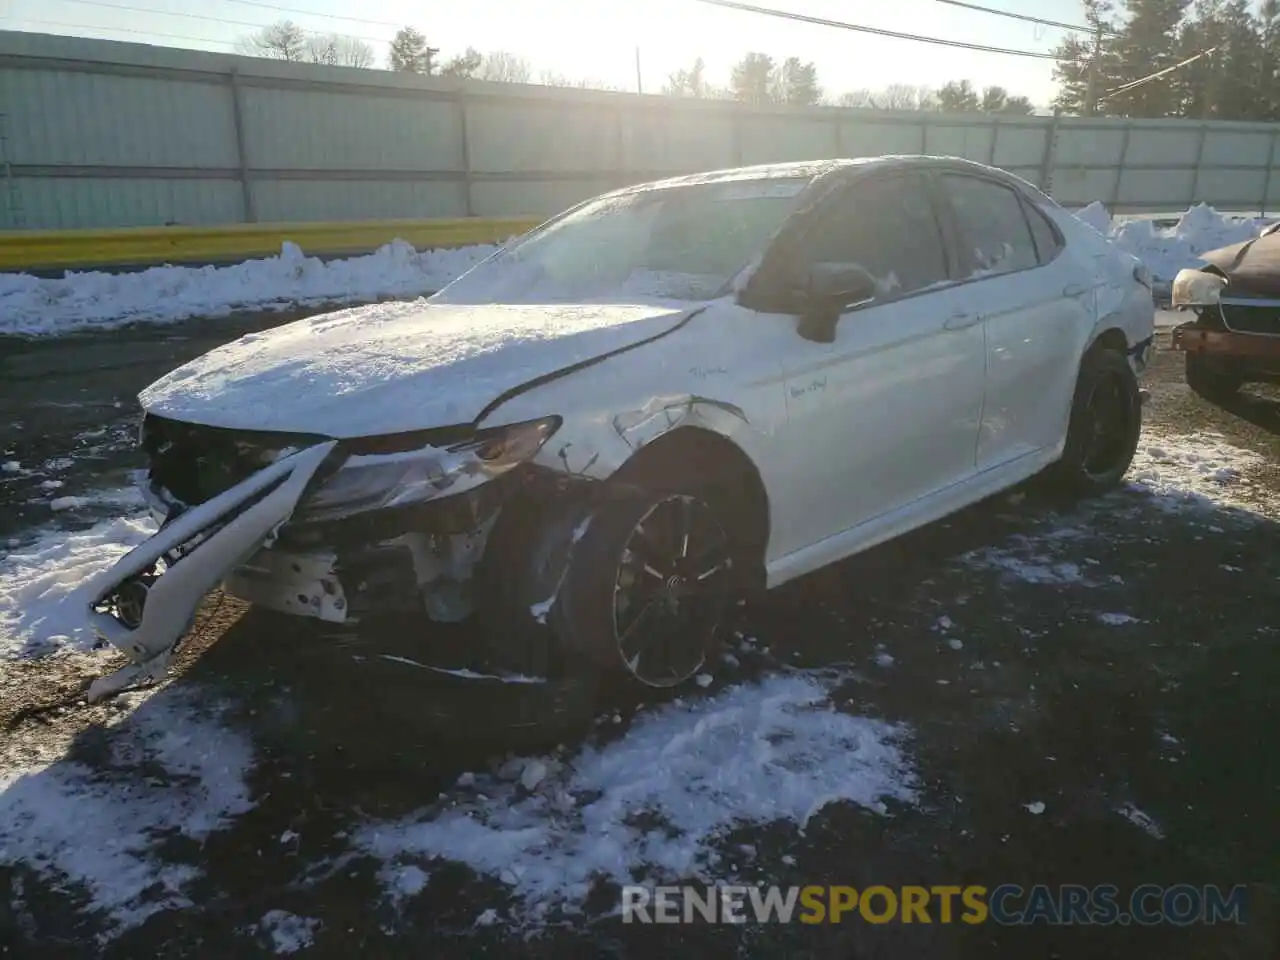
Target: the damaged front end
(306, 525)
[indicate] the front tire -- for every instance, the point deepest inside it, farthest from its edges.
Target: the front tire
(1106, 419)
(648, 587)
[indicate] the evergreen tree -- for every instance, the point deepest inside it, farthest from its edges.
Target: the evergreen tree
(750, 79)
(796, 83)
(410, 53)
(463, 65)
(1147, 44)
(688, 83)
(958, 96)
(1079, 65)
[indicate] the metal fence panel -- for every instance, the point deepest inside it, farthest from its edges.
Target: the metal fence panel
(100, 133)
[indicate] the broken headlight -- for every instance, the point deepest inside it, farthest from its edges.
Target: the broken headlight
(379, 481)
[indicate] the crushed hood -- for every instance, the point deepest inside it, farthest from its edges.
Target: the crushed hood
(1252, 268)
(394, 367)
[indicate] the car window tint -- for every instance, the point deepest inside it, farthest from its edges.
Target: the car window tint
(888, 227)
(994, 235)
(1047, 245)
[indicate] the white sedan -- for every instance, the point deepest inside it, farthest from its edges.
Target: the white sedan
(602, 436)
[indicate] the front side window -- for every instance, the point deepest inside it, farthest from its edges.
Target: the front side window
(682, 243)
(887, 226)
(994, 235)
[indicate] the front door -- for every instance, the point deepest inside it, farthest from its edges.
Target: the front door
(888, 412)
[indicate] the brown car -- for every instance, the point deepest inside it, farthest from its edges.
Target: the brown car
(1235, 338)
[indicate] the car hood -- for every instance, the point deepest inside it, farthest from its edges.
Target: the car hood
(1252, 268)
(394, 367)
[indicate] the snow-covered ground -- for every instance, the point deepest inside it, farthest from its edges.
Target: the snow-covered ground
(78, 302)
(658, 797)
(99, 830)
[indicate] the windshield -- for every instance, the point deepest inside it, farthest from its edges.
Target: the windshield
(681, 243)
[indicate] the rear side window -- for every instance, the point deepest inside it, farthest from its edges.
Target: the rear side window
(994, 234)
(888, 226)
(1047, 242)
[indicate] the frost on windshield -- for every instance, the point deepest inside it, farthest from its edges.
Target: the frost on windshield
(684, 242)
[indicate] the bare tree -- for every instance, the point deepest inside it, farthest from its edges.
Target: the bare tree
(335, 50)
(897, 96)
(857, 98)
(504, 67)
(286, 40)
(279, 41)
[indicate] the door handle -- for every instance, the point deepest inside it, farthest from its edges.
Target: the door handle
(1075, 290)
(962, 319)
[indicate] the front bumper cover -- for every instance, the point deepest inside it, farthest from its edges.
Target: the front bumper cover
(199, 547)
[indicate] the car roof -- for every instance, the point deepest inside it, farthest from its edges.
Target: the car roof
(813, 169)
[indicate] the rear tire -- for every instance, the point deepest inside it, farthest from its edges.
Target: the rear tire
(1102, 435)
(1211, 384)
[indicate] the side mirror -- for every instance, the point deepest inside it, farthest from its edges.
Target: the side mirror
(831, 288)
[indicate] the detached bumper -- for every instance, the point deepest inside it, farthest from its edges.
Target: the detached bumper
(199, 548)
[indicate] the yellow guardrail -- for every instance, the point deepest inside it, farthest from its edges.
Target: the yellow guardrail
(140, 246)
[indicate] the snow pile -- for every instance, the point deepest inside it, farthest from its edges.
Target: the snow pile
(658, 802)
(1166, 250)
(39, 585)
(174, 770)
(78, 302)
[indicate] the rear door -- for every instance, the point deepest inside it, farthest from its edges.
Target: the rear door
(1032, 304)
(888, 412)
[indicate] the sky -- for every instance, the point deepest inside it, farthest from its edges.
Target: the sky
(597, 39)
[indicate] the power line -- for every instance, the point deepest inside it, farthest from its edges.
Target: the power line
(193, 16)
(879, 32)
(140, 33)
(312, 13)
(1125, 88)
(1022, 16)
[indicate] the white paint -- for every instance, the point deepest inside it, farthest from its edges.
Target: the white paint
(393, 367)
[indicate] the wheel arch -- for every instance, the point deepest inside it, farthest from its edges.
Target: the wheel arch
(714, 460)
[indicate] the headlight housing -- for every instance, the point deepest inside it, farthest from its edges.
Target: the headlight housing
(379, 481)
(1195, 288)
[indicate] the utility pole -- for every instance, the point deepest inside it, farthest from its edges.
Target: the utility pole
(639, 83)
(1091, 96)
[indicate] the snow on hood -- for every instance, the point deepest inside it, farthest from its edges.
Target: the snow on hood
(393, 367)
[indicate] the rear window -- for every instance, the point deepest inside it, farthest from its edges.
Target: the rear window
(1042, 231)
(995, 237)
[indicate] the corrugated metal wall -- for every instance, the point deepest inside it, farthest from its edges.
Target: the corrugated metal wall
(98, 134)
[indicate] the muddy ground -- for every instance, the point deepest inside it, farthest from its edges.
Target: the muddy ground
(1139, 673)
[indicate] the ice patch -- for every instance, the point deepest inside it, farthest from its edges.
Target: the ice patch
(658, 801)
(287, 932)
(39, 584)
(1116, 619)
(31, 306)
(1141, 820)
(174, 769)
